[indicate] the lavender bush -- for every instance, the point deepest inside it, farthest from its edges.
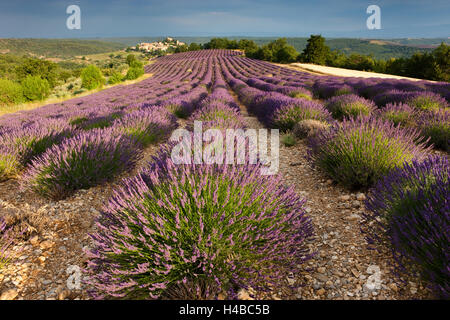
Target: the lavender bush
(174, 224)
(421, 100)
(399, 113)
(357, 152)
(297, 92)
(286, 116)
(148, 125)
(20, 145)
(410, 209)
(325, 90)
(349, 105)
(426, 100)
(85, 160)
(436, 126)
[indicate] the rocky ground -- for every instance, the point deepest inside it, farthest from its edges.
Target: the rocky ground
(45, 261)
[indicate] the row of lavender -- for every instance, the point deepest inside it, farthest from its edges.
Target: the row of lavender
(138, 112)
(412, 107)
(362, 143)
(149, 231)
(196, 231)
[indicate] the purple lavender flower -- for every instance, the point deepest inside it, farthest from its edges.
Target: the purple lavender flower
(398, 113)
(410, 209)
(349, 105)
(21, 144)
(435, 125)
(87, 159)
(182, 223)
(147, 126)
(357, 152)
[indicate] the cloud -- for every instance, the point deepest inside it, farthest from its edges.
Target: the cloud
(212, 17)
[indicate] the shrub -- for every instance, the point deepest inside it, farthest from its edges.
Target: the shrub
(325, 90)
(147, 126)
(421, 100)
(192, 289)
(410, 208)
(85, 160)
(285, 117)
(136, 64)
(215, 111)
(309, 127)
(91, 77)
(389, 96)
(179, 108)
(426, 100)
(300, 93)
(100, 122)
(35, 88)
(20, 145)
(288, 140)
(10, 92)
(130, 58)
(399, 113)
(78, 121)
(173, 224)
(349, 105)
(38, 67)
(357, 152)
(116, 77)
(134, 73)
(436, 126)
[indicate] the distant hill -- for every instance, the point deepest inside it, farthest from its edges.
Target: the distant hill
(57, 48)
(380, 49)
(67, 48)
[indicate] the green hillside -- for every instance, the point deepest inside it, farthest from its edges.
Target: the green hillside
(57, 48)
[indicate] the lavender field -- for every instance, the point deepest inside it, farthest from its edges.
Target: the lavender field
(89, 182)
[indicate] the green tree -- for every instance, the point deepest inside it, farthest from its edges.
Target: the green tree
(136, 64)
(10, 92)
(130, 59)
(134, 73)
(283, 52)
(116, 77)
(36, 67)
(442, 59)
(316, 51)
(249, 47)
(182, 48)
(64, 75)
(336, 59)
(264, 53)
(194, 46)
(35, 88)
(221, 43)
(91, 77)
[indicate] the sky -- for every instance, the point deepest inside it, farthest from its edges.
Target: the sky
(257, 18)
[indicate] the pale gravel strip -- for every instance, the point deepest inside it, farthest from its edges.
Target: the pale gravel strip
(341, 72)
